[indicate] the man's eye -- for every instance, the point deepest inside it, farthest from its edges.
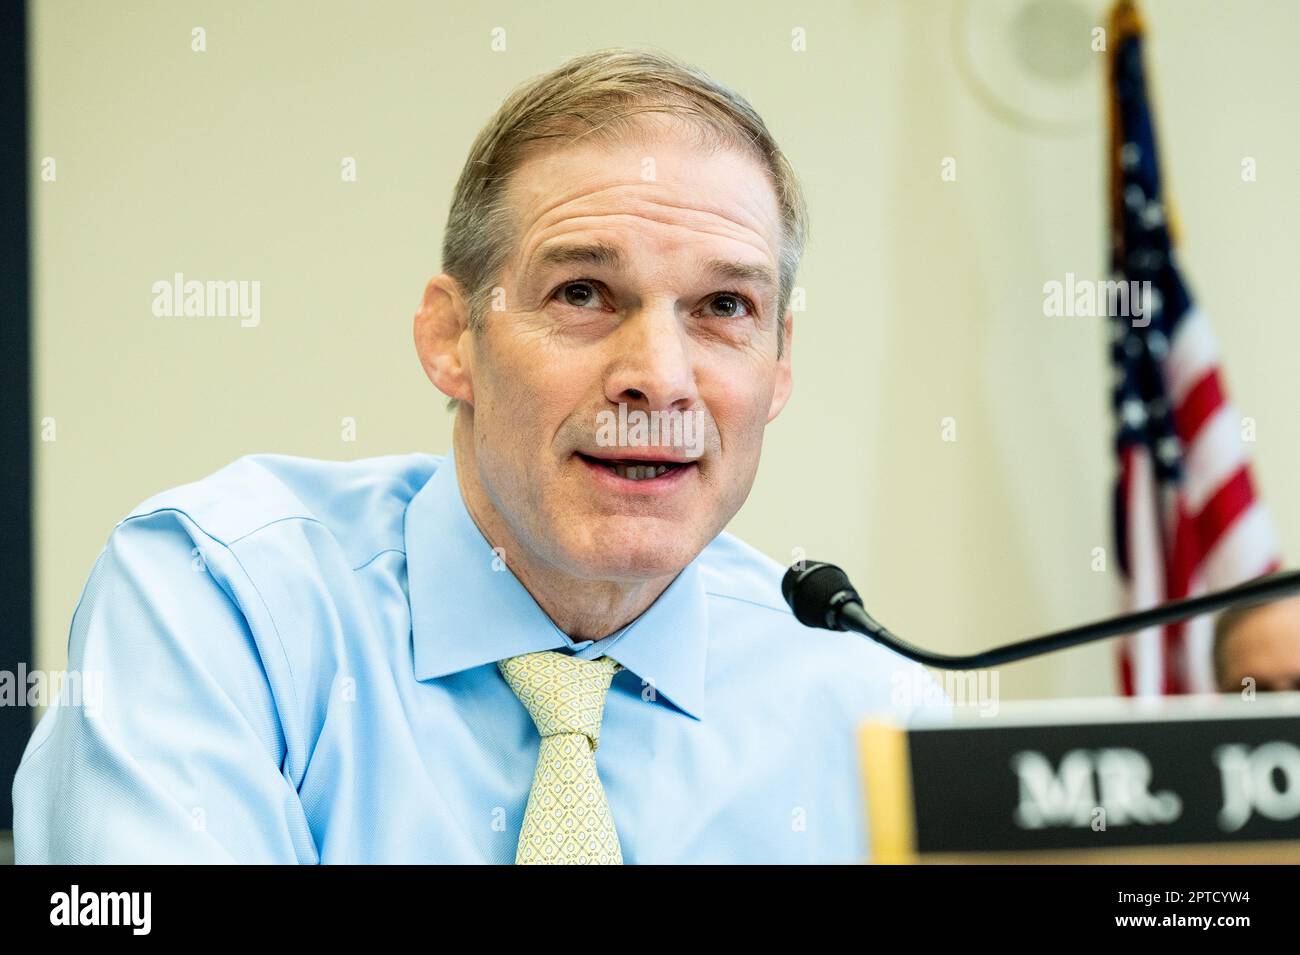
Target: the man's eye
(578, 294)
(731, 305)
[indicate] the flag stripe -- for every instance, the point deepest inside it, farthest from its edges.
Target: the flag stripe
(1214, 458)
(1145, 556)
(1193, 354)
(1246, 550)
(1200, 403)
(1222, 510)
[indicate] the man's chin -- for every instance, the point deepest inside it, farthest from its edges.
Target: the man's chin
(632, 554)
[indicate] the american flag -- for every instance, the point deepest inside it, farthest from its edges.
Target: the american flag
(1187, 519)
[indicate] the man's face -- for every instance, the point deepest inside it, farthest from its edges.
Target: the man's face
(1265, 646)
(644, 276)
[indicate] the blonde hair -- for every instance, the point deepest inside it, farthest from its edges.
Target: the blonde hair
(599, 95)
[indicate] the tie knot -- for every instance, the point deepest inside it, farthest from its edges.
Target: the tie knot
(563, 694)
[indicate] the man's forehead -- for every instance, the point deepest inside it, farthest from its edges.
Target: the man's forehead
(1279, 616)
(721, 190)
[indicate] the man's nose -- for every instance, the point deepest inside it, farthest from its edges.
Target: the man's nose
(654, 364)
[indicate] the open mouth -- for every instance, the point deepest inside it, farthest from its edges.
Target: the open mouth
(637, 470)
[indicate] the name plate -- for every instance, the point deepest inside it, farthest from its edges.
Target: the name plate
(1213, 778)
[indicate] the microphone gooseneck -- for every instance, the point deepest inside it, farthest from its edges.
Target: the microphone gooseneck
(822, 596)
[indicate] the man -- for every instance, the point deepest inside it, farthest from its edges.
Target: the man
(541, 648)
(1258, 647)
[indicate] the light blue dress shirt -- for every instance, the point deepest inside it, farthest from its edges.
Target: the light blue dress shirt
(297, 664)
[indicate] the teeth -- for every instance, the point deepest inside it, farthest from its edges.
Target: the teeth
(638, 472)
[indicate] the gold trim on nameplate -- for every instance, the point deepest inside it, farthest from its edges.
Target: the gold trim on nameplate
(887, 788)
(1218, 853)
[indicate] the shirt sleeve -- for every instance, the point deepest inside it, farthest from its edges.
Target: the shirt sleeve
(164, 744)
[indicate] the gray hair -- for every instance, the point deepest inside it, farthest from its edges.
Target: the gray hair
(599, 94)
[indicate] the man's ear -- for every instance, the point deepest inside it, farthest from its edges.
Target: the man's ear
(441, 338)
(784, 381)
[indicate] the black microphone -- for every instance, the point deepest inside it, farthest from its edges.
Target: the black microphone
(821, 596)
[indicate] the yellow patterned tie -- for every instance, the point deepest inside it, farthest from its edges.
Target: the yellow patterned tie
(567, 821)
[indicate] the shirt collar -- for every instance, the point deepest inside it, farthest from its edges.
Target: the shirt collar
(468, 609)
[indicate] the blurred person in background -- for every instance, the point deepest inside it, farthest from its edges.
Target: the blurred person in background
(1258, 642)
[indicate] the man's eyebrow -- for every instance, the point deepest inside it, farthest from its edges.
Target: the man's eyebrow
(593, 253)
(741, 272)
(610, 256)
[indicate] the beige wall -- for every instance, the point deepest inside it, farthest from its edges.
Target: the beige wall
(924, 297)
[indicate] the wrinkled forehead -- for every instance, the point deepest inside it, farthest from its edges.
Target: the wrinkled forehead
(684, 168)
